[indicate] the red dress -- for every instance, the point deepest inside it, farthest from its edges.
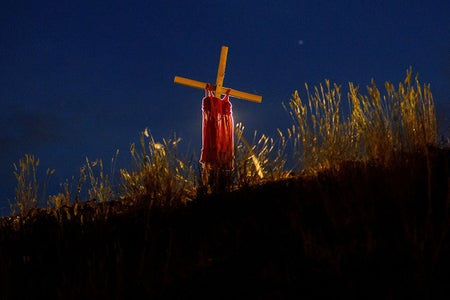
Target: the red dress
(217, 132)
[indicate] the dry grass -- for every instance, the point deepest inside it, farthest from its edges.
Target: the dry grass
(262, 160)
(320, 137)
(101, 188)
(159, 175)
(376, 217)
(27, 189)
(376, 128)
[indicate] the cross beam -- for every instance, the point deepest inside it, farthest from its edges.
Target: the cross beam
(218, 87)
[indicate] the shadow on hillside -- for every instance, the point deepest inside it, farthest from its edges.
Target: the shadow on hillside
(363, 232)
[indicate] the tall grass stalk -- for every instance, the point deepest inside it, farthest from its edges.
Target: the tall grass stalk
(61, 199)
(101, 187)
(263, 159)
(159, 175)
(374, 121)
(418, 113)
(377, 127)
(27, 189)
(320, 137)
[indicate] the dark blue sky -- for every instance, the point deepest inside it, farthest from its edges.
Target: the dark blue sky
(83, 78)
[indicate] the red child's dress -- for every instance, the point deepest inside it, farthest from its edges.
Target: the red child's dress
(217, 131)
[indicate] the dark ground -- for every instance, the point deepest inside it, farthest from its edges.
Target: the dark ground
(365, 232)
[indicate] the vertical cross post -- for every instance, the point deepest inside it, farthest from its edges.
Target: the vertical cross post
(221, 71)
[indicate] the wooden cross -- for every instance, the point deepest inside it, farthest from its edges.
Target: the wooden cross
(219, 88)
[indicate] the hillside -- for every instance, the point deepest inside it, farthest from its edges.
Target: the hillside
(363, 232)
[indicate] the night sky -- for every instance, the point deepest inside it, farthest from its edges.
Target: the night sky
(83, 78)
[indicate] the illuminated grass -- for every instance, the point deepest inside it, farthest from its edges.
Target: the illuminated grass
(101, 189)
(159, 176)
(319, 137)
(27, 189)
(262, 160)
(376, 128)
(374, 180)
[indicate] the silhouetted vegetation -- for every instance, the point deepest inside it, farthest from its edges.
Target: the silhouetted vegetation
(343, 207)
